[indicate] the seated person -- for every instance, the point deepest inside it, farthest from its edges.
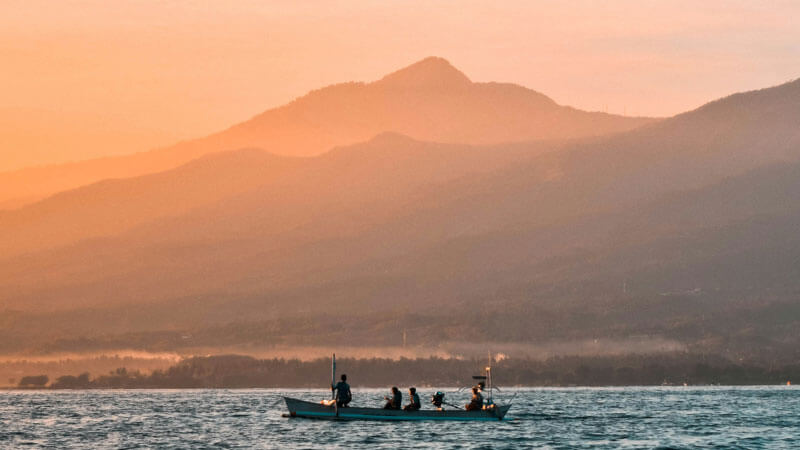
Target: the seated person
(477, 401)
(488, 402)
(343, 394)
(415, 404)
(438, 399)
(395, 401)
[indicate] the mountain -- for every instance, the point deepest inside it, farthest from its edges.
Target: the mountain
(240, 196)
(112, 206)
(429, 100)
(670, 230)
(388, 166)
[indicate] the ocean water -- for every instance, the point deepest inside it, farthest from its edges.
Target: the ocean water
(631, 417)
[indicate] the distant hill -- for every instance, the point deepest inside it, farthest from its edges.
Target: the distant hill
(337, 194)
(379, 170)
(675, 229)
(429, 100)
(112, 206)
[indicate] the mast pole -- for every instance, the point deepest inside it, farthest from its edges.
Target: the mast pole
(489, 378)
(333, 377)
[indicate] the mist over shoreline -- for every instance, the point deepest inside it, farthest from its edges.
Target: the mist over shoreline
(238, 371)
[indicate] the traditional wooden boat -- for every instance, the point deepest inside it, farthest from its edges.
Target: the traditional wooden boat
(328, 410)
(311, 410)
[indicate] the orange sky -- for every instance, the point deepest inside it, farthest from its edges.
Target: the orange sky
(96, 77)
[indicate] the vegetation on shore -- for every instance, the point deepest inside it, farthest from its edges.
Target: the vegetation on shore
(234, 371)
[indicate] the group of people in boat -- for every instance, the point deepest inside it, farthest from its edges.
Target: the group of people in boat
(343, 396)
(395, 400)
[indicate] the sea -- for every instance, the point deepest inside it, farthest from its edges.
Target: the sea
(563, 418)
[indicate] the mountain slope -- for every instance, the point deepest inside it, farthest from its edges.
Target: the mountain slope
(577, 237)
(429, 100)
(238, 196)
(395, 195)
(563, 281)
(113, 206)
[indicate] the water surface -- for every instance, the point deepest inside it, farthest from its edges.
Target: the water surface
(668, 417)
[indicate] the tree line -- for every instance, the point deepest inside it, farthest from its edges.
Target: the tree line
(234, 371)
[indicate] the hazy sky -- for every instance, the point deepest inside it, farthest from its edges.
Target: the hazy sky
(92, 77)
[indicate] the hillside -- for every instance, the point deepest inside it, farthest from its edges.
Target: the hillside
(112, 206)
(429, 100)
(673, 230)
(249, 184)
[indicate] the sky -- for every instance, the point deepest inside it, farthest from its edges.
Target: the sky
(90, 78)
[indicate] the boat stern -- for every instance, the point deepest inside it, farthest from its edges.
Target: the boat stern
(502, 411)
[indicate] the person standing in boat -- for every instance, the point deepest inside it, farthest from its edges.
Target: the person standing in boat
(343, 394)
(415, 404)
(477, 400)
(395, 401)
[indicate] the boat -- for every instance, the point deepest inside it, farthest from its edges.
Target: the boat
(329, 411)
(311, 410)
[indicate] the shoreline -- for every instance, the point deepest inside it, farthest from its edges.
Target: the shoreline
(420, 387)
(243, 372)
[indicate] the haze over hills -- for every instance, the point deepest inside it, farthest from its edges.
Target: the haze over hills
(673, 230)
(34, 137)
(112, 206)
(336, 194)
(429, 100)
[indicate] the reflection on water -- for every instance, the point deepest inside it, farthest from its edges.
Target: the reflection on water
(747, 417)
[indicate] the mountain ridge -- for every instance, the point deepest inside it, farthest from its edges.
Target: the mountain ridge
(431, 72)
(429, 100)
(673, 230)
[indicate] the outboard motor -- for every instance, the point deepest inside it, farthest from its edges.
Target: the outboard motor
(437, 399)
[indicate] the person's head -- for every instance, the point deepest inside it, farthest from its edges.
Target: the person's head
(412, 390)
(481, 385)
(344, 377)
(475, 390)
(395, 390)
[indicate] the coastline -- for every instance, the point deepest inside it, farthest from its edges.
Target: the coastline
(243, 372)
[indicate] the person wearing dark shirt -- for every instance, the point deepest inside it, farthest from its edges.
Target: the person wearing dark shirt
(395, 401)
(343, 394)
(438, 399)
(477, 400)
(415, 404)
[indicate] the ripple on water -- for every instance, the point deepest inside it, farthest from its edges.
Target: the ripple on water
(679, 417)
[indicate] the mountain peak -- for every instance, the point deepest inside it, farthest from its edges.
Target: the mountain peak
(432, 71)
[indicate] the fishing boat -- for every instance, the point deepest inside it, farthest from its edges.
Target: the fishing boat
(329, 411)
